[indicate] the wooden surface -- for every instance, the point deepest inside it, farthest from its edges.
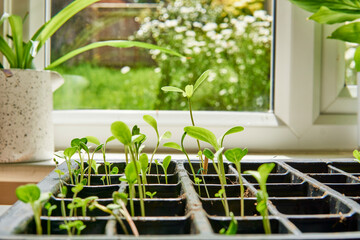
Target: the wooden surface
(13, 175)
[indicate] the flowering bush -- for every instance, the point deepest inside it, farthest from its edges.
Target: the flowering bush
(237, 49)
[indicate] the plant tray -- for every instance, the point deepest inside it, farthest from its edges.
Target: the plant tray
(309, 199)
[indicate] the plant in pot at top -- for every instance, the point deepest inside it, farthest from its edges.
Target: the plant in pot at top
(341, 12)
(26, 131)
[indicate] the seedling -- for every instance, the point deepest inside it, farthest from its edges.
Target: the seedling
(78, 144)
(49, 209)
(261, 176)
(152, 122)
(31, 194)
(206, 135)
(232, 229)
(72, 226)
(131, 143)
(235, 155)
(117, 209)
(76, 189)
(165, 165)
(91, 162)
(106, 164)
(151, 194)
(157, 170)
(188, 92)
(144, 163)
(131, 177)
(356, 154)
(67, 155)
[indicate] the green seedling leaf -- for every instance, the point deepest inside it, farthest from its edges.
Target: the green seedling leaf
(138, 138)
(60, 154)
(130, 172)
(69, 152)
(123, 179)
(233, 226)
(114, 170)
(220, 193)
(151, 195)
(228, 132)
(356, 154)
(166, 162)
(93, 140)
(135, 130)
(83, 146)
(98, 148)
(166, 135)
(76, 142)
(201, 79)
(236, 154)
(152, 122)
(261, 206)
(262, 173)
(189, 90)
(173, 146)
(112, 138)
(172, 89)
(202, 134)
(28, 193)
(209, 154)
(77, 188)
(58, 171)
(117, 197)
(121, 132)
(144, 162)
(197, 180)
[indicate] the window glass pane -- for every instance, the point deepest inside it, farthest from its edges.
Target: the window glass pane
(232, 38)
(350, 71)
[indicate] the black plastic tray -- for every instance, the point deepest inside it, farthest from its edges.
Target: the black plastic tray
(309, 199)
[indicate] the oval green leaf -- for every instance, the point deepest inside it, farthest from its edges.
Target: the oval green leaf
(121, 132)
(202, 134)
(28, 193)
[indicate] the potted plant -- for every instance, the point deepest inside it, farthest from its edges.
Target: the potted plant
(26, 131)
(345, 13)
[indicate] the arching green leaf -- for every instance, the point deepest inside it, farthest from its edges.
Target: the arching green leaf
(28, 193)
(236, 154)
(121, 132)
(152, 122)
(93, 140)
(172, 145)
(230, 131)
(201, 79)
(202, 134)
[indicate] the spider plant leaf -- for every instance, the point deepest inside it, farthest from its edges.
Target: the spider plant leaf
(6, 50)
(172, 89)
(328, 16)
(112, 43)
(59, 19)
(17, 37)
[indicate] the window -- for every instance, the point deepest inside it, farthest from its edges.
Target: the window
(300, 120)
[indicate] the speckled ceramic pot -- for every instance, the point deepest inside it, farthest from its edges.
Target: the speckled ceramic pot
(26, 127)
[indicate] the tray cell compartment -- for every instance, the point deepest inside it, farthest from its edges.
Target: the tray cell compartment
(325, 224)
(249, 226)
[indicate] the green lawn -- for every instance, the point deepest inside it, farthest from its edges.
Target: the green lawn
(106, 88)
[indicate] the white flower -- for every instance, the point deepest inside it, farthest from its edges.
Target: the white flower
(223, 25)
(180, 29)
(223, 71)
(171, 23)
(188, 51)
(209, 27)
(222, 92)
(197, 24)
(249, 19)
(260, 14)
(233, 80)
(197, 50)
(125, 69)
(212, 76)
(349, 54)
(190, 34)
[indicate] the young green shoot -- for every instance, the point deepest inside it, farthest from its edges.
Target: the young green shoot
(165, 164)
(152, 122)
(356, 155)
(151, 194)
(233, 226)
(49, 209)
(76, 189)
(31, 194)
(106, 164)
(261, 176)
(131, 142)
(78, 144)
(71, 226)
(131, 177)
(144, 163)
(91, 161)
(157, 170)
(235, 155)
(67, 155)
(188, 92)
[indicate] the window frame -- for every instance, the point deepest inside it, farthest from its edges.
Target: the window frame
(300, 119)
